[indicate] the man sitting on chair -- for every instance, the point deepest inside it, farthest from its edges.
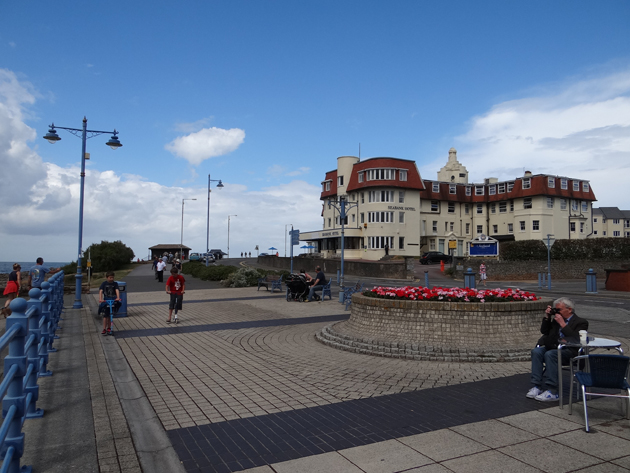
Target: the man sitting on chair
(560, 325)
(318, 284)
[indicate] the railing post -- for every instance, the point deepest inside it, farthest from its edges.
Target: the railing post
(34, 315)
(46, 312)
(44, 333)
(15, 396)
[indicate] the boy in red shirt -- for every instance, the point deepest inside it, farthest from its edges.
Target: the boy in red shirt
(175, 286)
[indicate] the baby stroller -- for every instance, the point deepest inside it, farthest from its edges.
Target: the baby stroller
(297, 288)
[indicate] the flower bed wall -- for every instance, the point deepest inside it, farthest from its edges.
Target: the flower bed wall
(447, 331)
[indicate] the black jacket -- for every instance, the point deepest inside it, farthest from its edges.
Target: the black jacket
(551, 331)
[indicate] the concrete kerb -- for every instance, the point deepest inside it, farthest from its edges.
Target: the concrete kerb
(152, 445)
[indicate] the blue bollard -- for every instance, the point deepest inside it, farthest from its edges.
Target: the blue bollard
(539, 280)
(14, 402)
(591, 282)
(469, 279)
(426, 279)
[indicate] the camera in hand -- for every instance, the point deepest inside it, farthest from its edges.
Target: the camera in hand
(553, 312)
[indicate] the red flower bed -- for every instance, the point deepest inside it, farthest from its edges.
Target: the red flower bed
(451, 294)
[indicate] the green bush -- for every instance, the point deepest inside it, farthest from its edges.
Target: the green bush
(568, 250)
(210, 273)
(105, 256)
(244, 277)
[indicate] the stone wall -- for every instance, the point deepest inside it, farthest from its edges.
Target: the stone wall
(396, 269)
(447, 331)
(522, 270)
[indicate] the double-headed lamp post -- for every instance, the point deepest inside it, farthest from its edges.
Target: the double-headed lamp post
(342, 206)
(285, 238)
(181, 242)
(113, 143)
(229, 233)
(219, 185)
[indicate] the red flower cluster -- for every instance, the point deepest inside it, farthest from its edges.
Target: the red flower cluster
(451, 294)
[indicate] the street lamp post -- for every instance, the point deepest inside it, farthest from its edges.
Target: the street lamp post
(113, 143)
(342, 206)
(219, 185)
(229, 233)
(550, 241)
(181, 242)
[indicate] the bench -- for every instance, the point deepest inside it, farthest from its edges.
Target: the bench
(348, 291)
(274, 280)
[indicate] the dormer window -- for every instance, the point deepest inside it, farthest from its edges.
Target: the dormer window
(527, 183)
(452, 189)
(361, 176)
(436, 187)
(551, 182)
(402, 175)
(479, 190)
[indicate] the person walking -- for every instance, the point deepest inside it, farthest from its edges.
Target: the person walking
(160, 270)
(13, 288)
(175, 287)
(482, 273)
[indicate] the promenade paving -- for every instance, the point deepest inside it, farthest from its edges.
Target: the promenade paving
(241, 384)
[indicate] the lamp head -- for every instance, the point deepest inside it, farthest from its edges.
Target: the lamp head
(52, 137)
(113, 142)
(220, 184)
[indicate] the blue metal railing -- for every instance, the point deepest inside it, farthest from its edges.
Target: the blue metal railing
(30, 332)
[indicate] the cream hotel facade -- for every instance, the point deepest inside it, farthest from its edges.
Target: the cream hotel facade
(388, 203)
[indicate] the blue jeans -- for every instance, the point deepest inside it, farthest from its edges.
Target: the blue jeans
(545, 367)
(312, 291)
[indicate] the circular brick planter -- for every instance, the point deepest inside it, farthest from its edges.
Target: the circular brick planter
(438, 331)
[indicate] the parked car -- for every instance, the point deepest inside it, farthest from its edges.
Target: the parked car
(434, 257)
(218, 254)
(207, 256)
(194, 257)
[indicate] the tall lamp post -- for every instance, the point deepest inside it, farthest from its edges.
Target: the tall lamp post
(229, 233)
(342, 206)
(181, 242)
(219, 185)
(550, 241)
(113, 143)
(285, 238)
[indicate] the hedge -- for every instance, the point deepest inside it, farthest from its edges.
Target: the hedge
(589, 249)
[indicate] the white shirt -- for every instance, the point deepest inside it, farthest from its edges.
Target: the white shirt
(161, 265)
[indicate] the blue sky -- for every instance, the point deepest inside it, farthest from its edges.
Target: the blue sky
(265, 95)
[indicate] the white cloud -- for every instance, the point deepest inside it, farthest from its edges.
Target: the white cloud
(206, 143)
(580, 129)
(299, 171)
(193, 126)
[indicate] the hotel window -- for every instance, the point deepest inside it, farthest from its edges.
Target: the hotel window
(510, 186)
(363, 197)
(510, 228)
(434, 226)
(362, 215)
(380, 242)
(522, 223)
(401, 243)
(445, 227)
(572, 226)
(436, 187)
(452, 189)
(329, 223)
(451, 226)
(502, 207)
(576, 186)
(574, 205)
(479, 190)
(381, 196)
(340, 181)
(581, 227)
(402, 175)
(432, 245)
(627, 223)
(401, 217)
(435, 206)
(563, 204)
(495, 229)
(466, 209)
(527, 183)
(501, 188)
(401, 197)
(492, 190)
(604, 232)
(527, 203)
(585, 187)
(536, 225)
(380, 174)
(511, 206)
(361, 176)
(479, 208)
(584, 206)
(564, 184)
(451, 207)
(594, 232)
(380, 217)
(550, 202)
(551, 182)
(595, 220)
(479, 229)
(616, 233)
(353, 220)
(328, 186)
(615, 221)
(493, 208)
(468, 190)
(468, 229)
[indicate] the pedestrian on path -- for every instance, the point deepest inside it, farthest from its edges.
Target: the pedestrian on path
(482, 272)
(175, 286)
(160, 270)
(108, 291)
(14, 284)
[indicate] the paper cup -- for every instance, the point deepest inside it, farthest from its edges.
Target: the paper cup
(583, 337)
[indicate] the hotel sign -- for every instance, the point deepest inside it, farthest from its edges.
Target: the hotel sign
(400, 207)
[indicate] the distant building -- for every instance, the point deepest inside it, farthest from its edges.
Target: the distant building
(159, 250)
(610, 222)
(391, 205)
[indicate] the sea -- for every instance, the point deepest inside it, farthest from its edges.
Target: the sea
(7, 266)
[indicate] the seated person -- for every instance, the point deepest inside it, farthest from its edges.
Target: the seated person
(318, 284)
(560, 325)
(307, 277)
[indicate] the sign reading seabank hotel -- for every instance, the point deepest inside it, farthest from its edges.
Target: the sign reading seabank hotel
(388, 204)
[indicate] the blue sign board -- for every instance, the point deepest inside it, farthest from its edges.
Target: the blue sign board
(295, 237)
(487, 248)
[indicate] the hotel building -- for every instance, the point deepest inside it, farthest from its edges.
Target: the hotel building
(389, 204)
